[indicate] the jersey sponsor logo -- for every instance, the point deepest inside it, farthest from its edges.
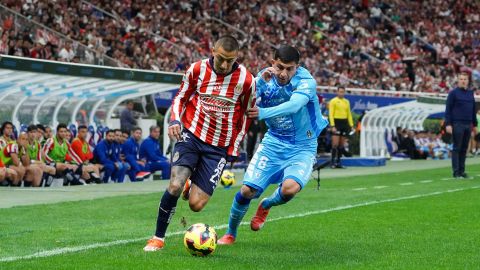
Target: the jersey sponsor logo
(303, 86)
(309, 133)
(213, 104)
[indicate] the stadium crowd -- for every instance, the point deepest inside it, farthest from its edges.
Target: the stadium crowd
(36, 156)
(394, 45)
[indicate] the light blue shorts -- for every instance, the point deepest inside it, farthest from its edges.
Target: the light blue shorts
(274, 161)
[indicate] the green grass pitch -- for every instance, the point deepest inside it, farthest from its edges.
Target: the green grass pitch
(408, 220)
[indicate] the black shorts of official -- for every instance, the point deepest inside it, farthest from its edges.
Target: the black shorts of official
(342, 127)
(205, 161)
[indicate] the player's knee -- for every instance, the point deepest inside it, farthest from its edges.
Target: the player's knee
(248, 192)
(175, 188)
(290, 188)
(108, 167)
(197, 206)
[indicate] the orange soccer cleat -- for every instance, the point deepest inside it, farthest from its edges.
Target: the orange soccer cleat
(227, 239)
(186, 190)
(154, 244)
(260, 217)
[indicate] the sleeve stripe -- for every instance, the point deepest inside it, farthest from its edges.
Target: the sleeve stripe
(186, 88)
(47, 148)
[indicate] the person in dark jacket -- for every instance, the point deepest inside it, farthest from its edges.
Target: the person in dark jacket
(104, 154)
(127, 121)
(460, 121)
(130, 150)
(151, 153)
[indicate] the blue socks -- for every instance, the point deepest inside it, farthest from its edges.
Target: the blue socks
(237, 212)
(165, 213)
(275, 199)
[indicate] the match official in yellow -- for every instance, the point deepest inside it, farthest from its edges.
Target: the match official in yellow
(341, 124)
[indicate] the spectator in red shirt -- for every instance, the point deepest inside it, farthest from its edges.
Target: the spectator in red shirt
(81, 147)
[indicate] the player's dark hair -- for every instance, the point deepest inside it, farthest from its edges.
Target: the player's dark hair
(4, 125)
(110, 131)
(228, 43)
(287, 54)
(41, 127)
(31, 128)
(124, 131)
(135, 129)
(60, 126)
(152, 128)
(82, 127)
(341, 87)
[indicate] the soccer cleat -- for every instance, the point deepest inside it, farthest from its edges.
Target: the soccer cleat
(340, 166)
(154, 244)
(226, 240)
(260, 217)
(95, 178)
(186, 190)
(142, 175)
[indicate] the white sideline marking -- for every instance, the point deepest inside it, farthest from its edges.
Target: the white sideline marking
(426, 181)
(406, 184)
(379, 187)
(59, 251)
(359, 189)
(446, 179)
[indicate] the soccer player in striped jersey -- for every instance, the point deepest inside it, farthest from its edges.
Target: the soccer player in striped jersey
(211, 105)
(57, 151)
(34, 155)
(33, 173)
(9, 148)
(287, 100)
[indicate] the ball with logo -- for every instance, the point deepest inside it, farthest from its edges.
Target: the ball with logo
(200, 240)
(227, 179)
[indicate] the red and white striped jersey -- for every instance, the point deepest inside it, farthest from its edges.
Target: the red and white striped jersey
(11, 148)
(70, 156)
(213, 106)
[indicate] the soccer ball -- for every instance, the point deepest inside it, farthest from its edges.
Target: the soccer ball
(227, 179)
(200, 240)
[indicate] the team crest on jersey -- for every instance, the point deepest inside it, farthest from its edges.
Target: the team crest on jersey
(176, 156)
(309, 134)
(238, 89)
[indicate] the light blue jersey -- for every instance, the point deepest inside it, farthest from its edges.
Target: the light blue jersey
(294, 120)
(301, 126)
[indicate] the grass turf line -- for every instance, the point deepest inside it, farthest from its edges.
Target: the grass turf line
(328, 197)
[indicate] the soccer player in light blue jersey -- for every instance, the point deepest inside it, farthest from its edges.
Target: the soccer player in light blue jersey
(287, 100)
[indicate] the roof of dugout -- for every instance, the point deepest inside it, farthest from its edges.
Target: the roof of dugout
(47, 92)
